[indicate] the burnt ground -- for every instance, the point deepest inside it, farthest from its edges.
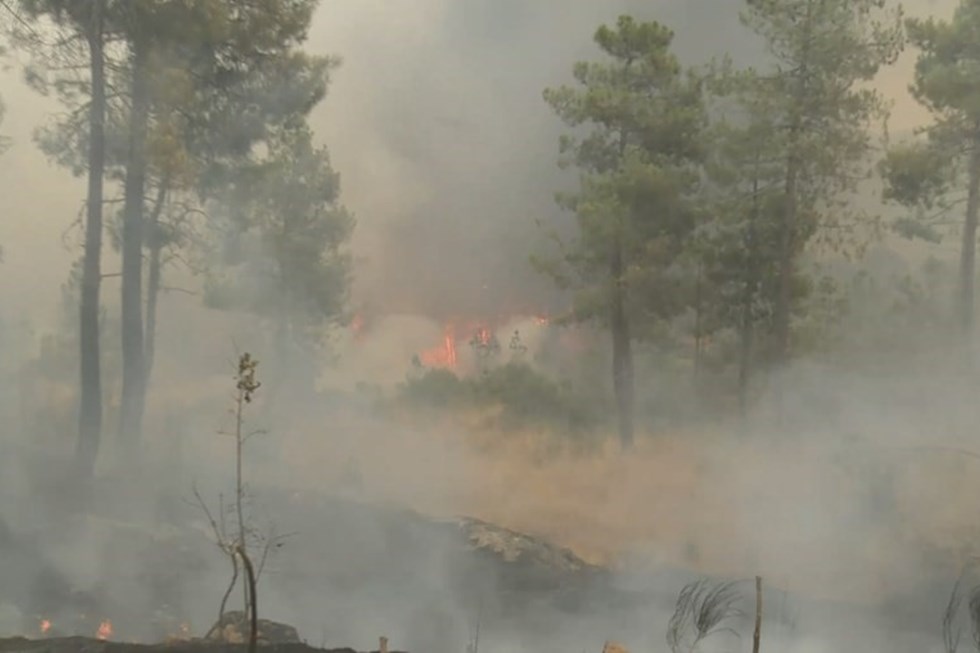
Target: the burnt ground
(351, 572)
(88, 645)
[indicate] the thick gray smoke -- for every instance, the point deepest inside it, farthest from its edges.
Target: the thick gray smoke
(447, 155)
(447, 149)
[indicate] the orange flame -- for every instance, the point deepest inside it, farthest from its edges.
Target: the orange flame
(105, 630)
(45, 626)
(444, 355)
(357, 325)
(182, 635)
(482, 336)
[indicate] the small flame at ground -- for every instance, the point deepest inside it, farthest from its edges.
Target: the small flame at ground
(45, 626)
(357, 325)
(182, 635)
(105, 630)
(481, 336)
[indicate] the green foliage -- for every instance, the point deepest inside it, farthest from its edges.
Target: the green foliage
(436, 387)
(524, 396)
(636, 119)
(915, 174)
(946, 71)
(788, 150)
(926, 175)
(737, 247)
(285, 234)
(821, 315)
(920, 176)
(822, 54)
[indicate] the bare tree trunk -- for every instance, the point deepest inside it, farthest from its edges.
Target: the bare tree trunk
(788, 226)
(747, 334)
(968, 249)
(90, 405)
(154, 274)
(698, 344)
(623, 382)
(757, 633)
(787, 264)
(745, 352)
(133, 375)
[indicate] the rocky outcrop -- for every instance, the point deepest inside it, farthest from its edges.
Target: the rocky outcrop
(234, 628)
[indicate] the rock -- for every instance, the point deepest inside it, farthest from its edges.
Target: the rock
(513, 547)
(233, 628)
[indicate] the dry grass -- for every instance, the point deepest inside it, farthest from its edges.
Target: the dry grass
(800, 514)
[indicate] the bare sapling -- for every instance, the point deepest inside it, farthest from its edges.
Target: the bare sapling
(235, 542)
(757, 633)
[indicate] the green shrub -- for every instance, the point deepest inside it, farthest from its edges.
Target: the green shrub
(525, 396)
(435, 387)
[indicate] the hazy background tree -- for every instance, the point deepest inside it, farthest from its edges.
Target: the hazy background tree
(194, 89)
(81, 85)
(282, 232)
(636, 120)
(228, 44)
(4, 143)
(821, 52)
(940, 172)
(738, 244)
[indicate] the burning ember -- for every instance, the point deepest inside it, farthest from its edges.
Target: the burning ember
(183, 634)
(105, 630)
(45, 626)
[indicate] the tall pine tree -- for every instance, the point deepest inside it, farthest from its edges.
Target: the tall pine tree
(636, 119)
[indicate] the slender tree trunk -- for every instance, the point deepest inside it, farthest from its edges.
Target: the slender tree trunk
(788, 227)
(90, 405)
(133, 374)
(747, 335)
(745, 350)
(698, 343)
(623, 383)
(968, 250)
(787, 264)
(153, 281)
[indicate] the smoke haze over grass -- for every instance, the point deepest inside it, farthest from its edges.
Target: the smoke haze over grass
(447, 157)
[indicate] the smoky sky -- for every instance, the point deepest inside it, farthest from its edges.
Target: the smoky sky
(447, 150)
(435, 121)
(452, 162)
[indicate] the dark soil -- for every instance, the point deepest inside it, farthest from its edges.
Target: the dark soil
(88, 645)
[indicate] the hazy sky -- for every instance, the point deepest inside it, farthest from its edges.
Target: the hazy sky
(436, 123)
